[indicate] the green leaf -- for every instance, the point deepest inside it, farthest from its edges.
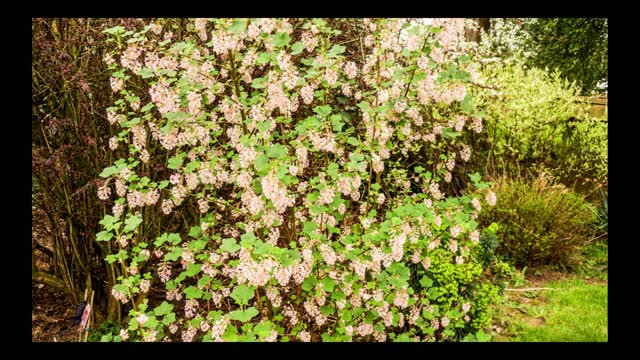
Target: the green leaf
(323, 110)
(238, 25)
(297, 48)
(204, 281)
(192, 166)
(336, 122)
(434, 293)
(174, 238)
(146, 73)
(163, 308)
(309, 226)
(195, 231)
(403, 338)
(467, 103)
(309, 283)
(328, 338)
(328, 284)
(132, 222)
(169, 318)
(230, 245)
(261, 162)
(449, 133)
(475, 177)
(259, 83)
(426, 282)
(197, 245)
(310, 122)
(173, 255)
(336, 50)
(263, 329)
(144, 182)
(193, 292)
(327, 310)
(263, 126)
(193, 269)
(176, 161)
(109, 222)
(114, 30)
(262, 58)
(242, 294)
(247, 239)
(130, 123)
(353, 141)
(482, 336)
(333, 170)
(364, 106)
(356, 157)
(280, 39)
(244, 315)
(161, 240)
(108, 172)
(104, 236)
(418, 169)
(276, 151)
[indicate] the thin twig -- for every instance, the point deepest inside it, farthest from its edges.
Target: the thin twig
(530, 289)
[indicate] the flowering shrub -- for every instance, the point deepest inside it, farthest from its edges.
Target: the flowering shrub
(280, 180)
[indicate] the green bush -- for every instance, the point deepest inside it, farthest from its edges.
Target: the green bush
(534, 118)
(585, 154)
(540, 223)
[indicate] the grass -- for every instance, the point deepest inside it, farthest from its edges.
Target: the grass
(596, 261)
(575, 310)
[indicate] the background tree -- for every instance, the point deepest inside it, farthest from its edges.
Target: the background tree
(578, 47)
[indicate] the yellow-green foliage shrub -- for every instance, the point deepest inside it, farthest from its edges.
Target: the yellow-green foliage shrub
(534, 117)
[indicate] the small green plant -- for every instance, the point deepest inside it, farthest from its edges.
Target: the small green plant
(601, 222)
(518, 277)
(106, 328)
(480, 336)
(488, 244)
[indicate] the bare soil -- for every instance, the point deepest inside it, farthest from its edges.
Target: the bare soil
(51, 315)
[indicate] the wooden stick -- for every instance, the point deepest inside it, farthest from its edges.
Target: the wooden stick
(86, 333)
(531, 289)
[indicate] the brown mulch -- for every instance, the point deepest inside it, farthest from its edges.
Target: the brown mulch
(51, 315)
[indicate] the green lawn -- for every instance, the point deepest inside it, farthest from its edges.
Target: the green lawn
(574, 311)
(577, 311)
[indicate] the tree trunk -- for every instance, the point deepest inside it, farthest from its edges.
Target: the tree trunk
(475, 34)
(50, 280)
